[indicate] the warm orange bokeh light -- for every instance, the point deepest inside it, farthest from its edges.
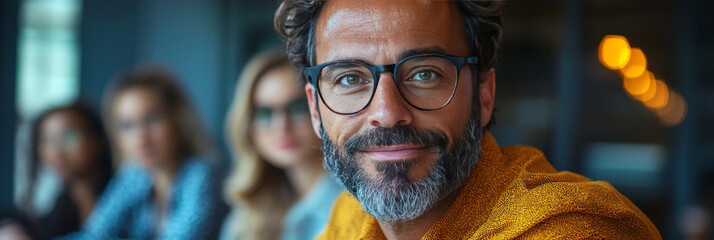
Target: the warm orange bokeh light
(660, 98)
(638, 85)
(614, 51)
(651, 91)
(671, 103)
(636, 66)
(674, 113)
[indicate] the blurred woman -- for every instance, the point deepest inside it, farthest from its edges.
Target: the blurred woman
(166, 188)
(278, 187)
(71, 142)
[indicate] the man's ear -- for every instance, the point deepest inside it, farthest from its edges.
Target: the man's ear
(314, 114)
(487, 95)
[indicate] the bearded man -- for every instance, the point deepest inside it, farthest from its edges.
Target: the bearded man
(402, 95)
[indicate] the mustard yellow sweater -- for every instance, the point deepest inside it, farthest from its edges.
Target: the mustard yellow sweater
(514, 193)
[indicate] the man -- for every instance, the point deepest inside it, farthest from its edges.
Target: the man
(401, 93)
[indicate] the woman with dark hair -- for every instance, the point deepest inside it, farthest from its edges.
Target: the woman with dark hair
(166, 186)
(70, 141)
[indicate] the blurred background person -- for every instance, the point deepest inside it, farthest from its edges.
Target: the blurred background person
(167, 185)
(278, 188)
(71, 142)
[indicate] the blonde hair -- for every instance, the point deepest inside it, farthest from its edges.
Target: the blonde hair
(192, 140)
(259, 190)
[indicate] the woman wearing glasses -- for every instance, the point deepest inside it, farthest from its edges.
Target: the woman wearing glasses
(166, 188)
(278, 188)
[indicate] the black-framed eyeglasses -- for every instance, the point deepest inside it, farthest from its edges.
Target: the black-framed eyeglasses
(426, 81)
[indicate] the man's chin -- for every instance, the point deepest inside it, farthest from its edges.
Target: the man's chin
(387, 171)
(394, 197)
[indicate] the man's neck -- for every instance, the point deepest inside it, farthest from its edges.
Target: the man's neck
(417, 228)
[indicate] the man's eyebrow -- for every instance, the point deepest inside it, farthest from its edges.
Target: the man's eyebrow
(424, 50)
(405, 54)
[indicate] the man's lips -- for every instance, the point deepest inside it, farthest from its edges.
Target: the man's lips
(395, 152)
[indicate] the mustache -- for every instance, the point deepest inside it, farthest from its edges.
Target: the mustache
(381, 136)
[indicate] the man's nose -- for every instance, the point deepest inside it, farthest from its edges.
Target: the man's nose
(388, 109)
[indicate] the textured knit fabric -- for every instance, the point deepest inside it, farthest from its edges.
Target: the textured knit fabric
(514, 193)
(127, 210)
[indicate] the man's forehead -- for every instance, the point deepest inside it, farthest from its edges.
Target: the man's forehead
(348, 29)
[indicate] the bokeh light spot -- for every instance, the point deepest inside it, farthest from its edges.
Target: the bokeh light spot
(638, 85)
(675, 112)
(651, 91)
(614, 51)
(660, 98)
(636, 66)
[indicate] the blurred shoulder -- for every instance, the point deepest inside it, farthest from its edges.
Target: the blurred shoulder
(130, 173)
(228, 229)
(199, 167)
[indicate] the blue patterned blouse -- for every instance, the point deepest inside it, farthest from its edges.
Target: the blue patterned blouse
(127, 209)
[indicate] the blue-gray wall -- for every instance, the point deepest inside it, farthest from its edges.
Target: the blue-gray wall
(108, 42)
(8, 115)
(186, 36)
(205, 42)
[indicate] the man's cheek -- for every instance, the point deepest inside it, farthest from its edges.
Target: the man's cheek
(340, 129)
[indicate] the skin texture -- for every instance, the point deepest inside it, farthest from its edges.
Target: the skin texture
(379, 32)
(286, 143)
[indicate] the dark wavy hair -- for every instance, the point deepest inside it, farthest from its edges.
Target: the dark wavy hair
(93, 128)
(295, 22)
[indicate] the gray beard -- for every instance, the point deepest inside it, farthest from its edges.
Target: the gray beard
(393, 197)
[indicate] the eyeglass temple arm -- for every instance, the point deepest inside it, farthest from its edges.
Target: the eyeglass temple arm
(472, 60)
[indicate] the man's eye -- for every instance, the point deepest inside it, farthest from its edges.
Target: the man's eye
(424, 76)
(349, 80)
